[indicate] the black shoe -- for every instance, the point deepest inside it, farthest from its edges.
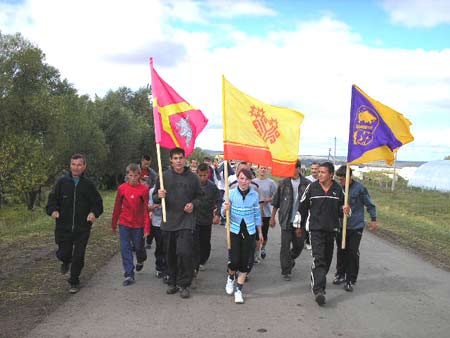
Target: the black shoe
(320, 298)
(166, 279)
(128, 281)
(172, 289)
(148, 246)
(348, 287)
(184, 293)
(159, 274)
(287, 277)
(139, 266)
(338, 280)
(65, 267)
(74, 288)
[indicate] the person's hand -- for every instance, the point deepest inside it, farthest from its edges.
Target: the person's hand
(298, 232)
(372, 225)
(55, 214)
(189, 208)
(268, 199)
(162, 193)
(216, 219)
(226, 206)
(91, 217)
(146, 234)
(346, 209)
(114, 231)
(272, 222)
(260, 239)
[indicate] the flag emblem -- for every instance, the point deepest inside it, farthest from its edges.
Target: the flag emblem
(365, 125)
(266, 128)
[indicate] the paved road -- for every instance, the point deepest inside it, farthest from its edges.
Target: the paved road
(397, 295)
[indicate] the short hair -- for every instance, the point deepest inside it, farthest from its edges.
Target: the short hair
(316, 163)
(298, 163)
(247, 173)
(341, 172)
(177, 151)
(146, 157)
(329, 166)
(78, 157)
(203, 167)
(133, 167)
(207, 158)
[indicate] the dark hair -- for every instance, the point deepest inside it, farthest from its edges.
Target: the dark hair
(247, 173)
(329, 166)
(317, 163)
(176, 151)
(78, 156)
(207, 158)
(134, 168)
(342, 171)
(146, 157)
(298, 164)
(203, 167)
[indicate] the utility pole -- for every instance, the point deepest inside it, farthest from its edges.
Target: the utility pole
(329, 154)
(334, 162)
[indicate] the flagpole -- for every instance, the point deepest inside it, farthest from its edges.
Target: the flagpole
(393, 177)
(225, 171)
(344, 222)
(161, 181)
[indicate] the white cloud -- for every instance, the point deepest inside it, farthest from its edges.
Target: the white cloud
(418, 13)
(104, 45)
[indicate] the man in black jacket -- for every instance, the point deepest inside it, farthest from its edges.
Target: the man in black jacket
(286, 203)
(181, 193)
(324, 201)
(74, 204)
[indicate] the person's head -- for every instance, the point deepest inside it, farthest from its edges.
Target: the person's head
(133, 173)
(77, 165)
(326, 172)
(244, 178)
(262, 171)
(315, 170)
(194, 162)
(194, 168)
(145, 161)
(241, 165)
(298, 169)
(341, 173)
(207, 160)
(203, 172)
(177, 159)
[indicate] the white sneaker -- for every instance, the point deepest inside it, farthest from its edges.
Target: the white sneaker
(308, 246)
(238, 297)
(229, 287)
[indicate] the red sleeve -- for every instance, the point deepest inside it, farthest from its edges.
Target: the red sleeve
(146, 216)
(117, 209)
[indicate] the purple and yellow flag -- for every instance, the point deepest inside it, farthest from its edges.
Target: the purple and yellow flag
(376, 131)
(177, 123)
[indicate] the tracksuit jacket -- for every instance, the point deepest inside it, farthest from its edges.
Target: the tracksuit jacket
(357, 199)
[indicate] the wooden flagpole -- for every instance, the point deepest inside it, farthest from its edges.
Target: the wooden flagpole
(161, 181)
(225, 169)
(344, 222)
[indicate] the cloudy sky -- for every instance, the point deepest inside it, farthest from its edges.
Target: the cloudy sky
(299, 54)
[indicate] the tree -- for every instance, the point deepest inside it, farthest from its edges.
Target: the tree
(447, 157)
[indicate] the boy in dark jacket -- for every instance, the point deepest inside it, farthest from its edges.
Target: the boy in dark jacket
(324, 201)
(206, 212)
(74, 204)
(182, 192)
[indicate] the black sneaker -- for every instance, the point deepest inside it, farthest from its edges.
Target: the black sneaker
(139, 266)
(74, 288)
(172, 289)
(65, 267)
(338, 280)
(320, 298)
(184, 293)
(287, 277)
(159, 274)
(166, 279)
(128, 281)
(263, 253)
(348, 287)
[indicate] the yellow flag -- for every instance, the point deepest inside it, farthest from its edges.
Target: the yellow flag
(260, 133)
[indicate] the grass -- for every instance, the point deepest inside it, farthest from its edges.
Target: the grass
(418, 219)
(31, 286)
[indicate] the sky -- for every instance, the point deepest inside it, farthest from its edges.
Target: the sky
(300, 54)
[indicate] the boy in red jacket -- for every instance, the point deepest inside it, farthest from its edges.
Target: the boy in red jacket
(130, 212)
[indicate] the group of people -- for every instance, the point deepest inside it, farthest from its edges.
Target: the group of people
(309, 211)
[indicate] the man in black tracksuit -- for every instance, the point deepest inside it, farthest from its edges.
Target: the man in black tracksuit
(324, 201)
(181, 193)
(207, 210)
(74, 203)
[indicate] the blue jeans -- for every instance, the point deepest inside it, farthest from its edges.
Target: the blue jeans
(127, 236)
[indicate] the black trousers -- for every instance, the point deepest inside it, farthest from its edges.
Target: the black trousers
(322, 243)
(160, 255)
(179, 256)
(202, 244)
(72, 249)
(347, 260)
(291, 248)
(241, 252)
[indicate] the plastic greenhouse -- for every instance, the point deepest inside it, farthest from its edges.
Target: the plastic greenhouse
(432, 175)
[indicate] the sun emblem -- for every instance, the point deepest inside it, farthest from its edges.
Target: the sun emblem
(266, 128)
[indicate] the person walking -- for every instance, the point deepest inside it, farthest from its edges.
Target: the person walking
(74, 204)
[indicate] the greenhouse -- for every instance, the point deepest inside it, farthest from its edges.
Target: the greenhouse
(432, 175)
